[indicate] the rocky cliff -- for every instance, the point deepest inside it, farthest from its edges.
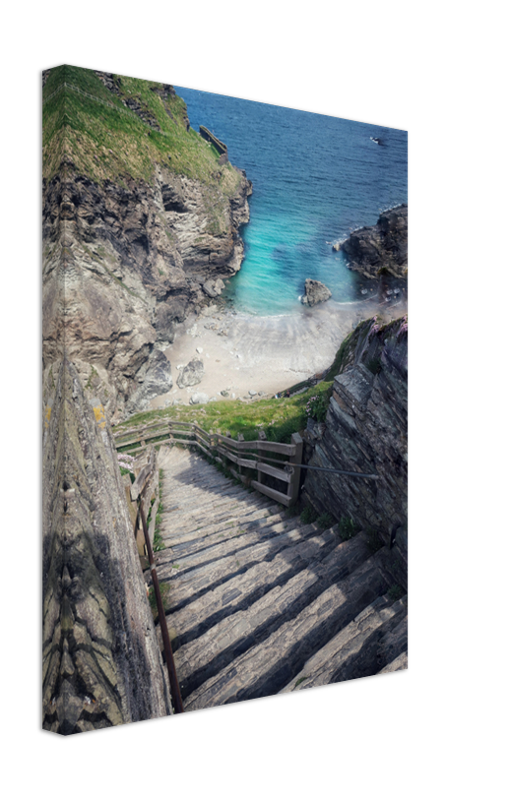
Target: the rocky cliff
(366, 431)
(139, 210)
(101, 661)
(383, 246)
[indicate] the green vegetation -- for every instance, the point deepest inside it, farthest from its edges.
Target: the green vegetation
(301, 680)
(93, 374)
(164, 588)
(374, 365)
(317, 406)
(309, 515)
(105, 140)
(396, 592)
(278, 418)
(347, 528)
(325, 521)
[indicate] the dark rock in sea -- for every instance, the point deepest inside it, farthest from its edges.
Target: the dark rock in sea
(315, 292)
(383, 246)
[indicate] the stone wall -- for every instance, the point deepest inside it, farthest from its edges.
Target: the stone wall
(209, 137)
(366, 431)
(101, 661)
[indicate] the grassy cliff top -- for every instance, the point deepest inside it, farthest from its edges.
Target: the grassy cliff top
(110, 135)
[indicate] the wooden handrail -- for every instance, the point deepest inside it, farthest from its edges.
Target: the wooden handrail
(245, 455)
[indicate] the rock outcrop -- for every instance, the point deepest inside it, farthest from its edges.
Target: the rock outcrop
(191, 374)
(315, 292)
(383, 246)
(146, 229)
(101, 661)
(366, 431)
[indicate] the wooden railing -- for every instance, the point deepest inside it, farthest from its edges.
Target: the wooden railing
(240, 457)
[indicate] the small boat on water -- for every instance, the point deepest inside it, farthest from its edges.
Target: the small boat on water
(376, 140)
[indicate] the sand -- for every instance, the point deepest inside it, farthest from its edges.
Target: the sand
(264, 354)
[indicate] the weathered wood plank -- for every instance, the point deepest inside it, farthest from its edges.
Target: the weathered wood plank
(275, 495)
(207, 452)
(274, 471)
(240, 477)
(258, 444)
(203, 441)
(143, 476)
(203, 432)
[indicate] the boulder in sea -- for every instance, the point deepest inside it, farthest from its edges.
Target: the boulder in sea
(315, 292)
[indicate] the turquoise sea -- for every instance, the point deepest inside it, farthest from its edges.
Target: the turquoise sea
(315, 179)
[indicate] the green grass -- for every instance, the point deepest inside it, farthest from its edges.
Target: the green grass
(278, 418)
(309, 515)
(325, 521)
(164, 588)
(105, 141)
(347, 528)
(396, 592)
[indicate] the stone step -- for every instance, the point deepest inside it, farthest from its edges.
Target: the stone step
(205, 553)
(222, 542)
(400, 662)
(268, 667)
(356, 651)
(394, 642)
(196, 581)
(260, 603)
(220, 491)
(211, 505)
(229, 527)
(211, 634)
(185, 484)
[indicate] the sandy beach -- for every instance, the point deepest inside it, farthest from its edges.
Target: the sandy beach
(244, 353)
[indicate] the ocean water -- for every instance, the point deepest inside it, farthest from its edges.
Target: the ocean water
(315, 179)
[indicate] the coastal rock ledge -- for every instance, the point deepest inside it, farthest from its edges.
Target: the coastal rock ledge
(315, 292)
(383, 246)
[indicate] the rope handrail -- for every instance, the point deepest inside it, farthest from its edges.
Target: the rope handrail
(289, 467)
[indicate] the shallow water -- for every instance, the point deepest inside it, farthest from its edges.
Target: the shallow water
(315, 178)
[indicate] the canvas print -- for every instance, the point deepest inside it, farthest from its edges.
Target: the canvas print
(224, 417)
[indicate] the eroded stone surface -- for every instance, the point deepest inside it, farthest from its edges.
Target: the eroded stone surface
(381, 246)
(101, 662)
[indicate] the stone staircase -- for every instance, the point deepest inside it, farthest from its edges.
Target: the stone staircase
(261, 603)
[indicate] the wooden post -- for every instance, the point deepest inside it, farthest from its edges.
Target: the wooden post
(260, 474)
(295, 461)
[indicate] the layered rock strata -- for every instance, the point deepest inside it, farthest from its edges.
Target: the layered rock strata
(383, 246)
(101, 661)
(366, 431)
(141, 253)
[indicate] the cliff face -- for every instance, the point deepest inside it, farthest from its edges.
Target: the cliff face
(366, 431)
(380, 246)
(140, 226)
(101, 661)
